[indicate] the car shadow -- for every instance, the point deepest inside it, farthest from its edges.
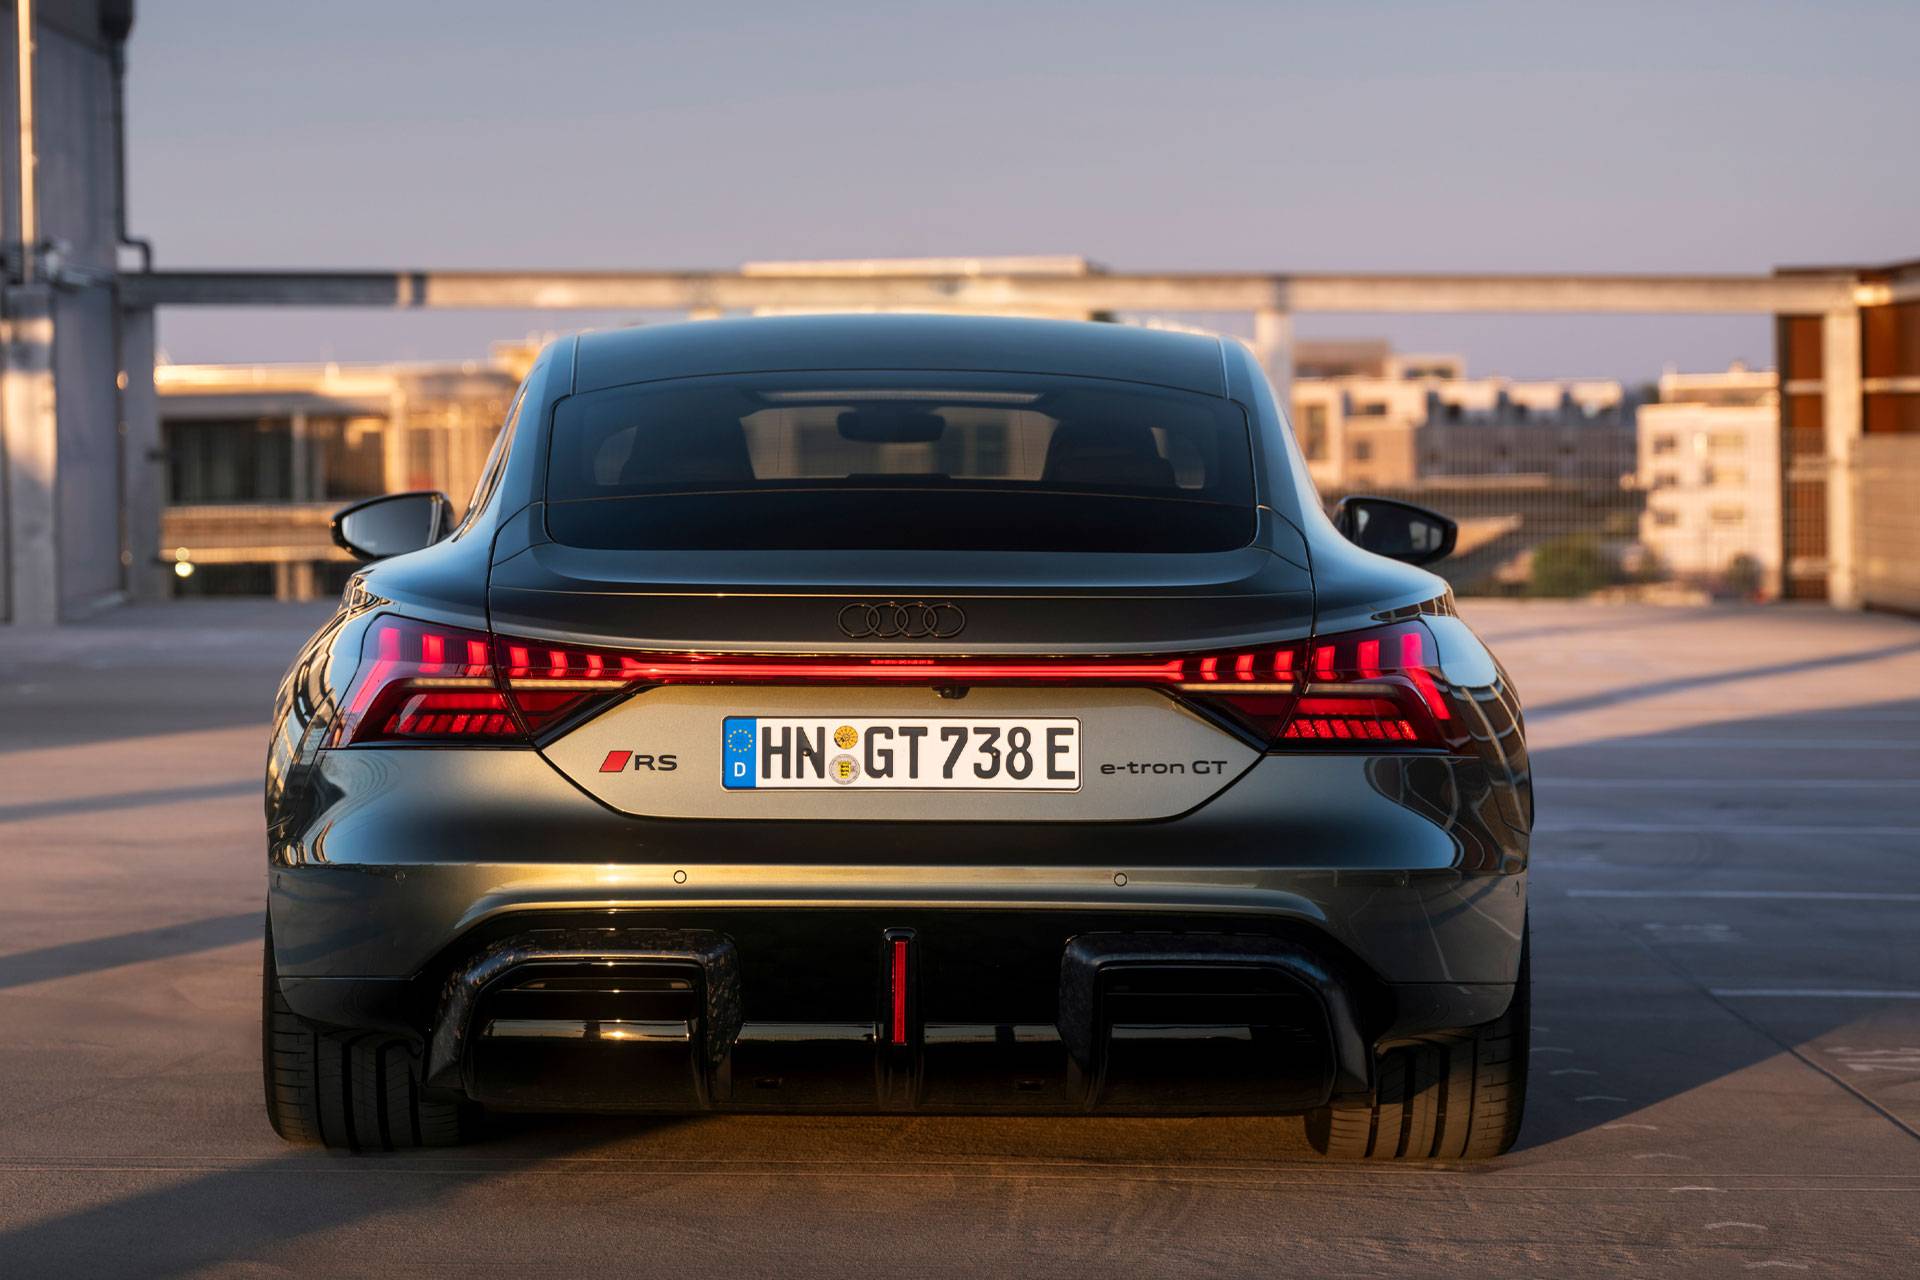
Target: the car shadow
(221, 1216)
(1634, 990)
(91, 955)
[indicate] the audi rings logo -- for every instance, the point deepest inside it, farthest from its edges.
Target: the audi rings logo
(902, 620)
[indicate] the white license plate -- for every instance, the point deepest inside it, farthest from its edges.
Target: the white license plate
(954, 753)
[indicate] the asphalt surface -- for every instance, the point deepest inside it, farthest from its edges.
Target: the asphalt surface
(1727, 1048)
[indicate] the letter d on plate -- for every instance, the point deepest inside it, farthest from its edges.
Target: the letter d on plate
(738, 737)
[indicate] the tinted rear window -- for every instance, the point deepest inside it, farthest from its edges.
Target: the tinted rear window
(901, 461)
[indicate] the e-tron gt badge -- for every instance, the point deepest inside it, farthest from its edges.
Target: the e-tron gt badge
(902, 620)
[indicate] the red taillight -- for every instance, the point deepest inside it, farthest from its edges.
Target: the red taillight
(1371, 689)
(548, 682)
(422, 682)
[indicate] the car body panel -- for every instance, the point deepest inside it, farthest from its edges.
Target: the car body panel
(393, 867)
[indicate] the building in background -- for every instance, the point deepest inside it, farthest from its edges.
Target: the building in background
(258, 457)
(1850, 441)
(1522, 465)
(1371, 418)
(1710, 467)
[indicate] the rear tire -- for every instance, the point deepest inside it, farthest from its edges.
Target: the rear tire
(353, 1090)
(1455, 1097)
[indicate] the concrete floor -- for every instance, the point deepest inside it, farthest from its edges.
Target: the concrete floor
(1727, 1050)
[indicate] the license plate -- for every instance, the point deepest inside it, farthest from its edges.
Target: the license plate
(935, 753)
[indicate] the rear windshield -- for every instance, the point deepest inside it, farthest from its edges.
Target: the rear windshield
(900, 461)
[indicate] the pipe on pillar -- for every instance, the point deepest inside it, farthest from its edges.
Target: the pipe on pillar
(142, 459)
(1840, 399)
(29, 213)
(29, 444)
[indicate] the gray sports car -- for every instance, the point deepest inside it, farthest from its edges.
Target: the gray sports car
(904, 714)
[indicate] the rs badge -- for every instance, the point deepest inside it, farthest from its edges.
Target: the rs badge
(621, 761)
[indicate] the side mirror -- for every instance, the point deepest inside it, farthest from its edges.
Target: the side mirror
(1397, 530)
(392, 525)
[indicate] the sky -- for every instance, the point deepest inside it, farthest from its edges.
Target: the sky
(1356, 136)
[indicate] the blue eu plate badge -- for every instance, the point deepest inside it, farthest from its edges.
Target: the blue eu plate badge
(737, 735)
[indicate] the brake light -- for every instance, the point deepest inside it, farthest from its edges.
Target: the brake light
(1371, 689)
(420, 682)
(549, 682)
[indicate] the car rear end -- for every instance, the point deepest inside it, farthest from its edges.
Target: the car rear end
(901, 739)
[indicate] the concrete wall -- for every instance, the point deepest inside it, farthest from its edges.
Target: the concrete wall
(61, 490)
(1887, 521)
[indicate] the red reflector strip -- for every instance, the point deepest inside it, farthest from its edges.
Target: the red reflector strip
(1335, 727)
(451, 715)
(899, 1028)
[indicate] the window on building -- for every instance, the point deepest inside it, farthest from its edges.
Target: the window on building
(1726, 442)
(1663, 443)
(229, 460)
(348, 458)
(1314, 431)
(1666, 519)
(1728, 517)
(1362, 450)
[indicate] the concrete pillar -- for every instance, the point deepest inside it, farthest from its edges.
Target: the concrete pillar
(143, 458)
(294, 580)
(394, 455)
(1273, 347)
(29, 444)
(300, 459)
(1840, 400)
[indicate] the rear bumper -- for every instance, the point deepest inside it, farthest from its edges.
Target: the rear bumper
(958, 1012)
(1375, 894)
(1031, 1009)
(1410, 863)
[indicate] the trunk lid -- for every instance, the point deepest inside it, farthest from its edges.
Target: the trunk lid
(1139, 752)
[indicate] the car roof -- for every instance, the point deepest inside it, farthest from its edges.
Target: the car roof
(615, 357)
